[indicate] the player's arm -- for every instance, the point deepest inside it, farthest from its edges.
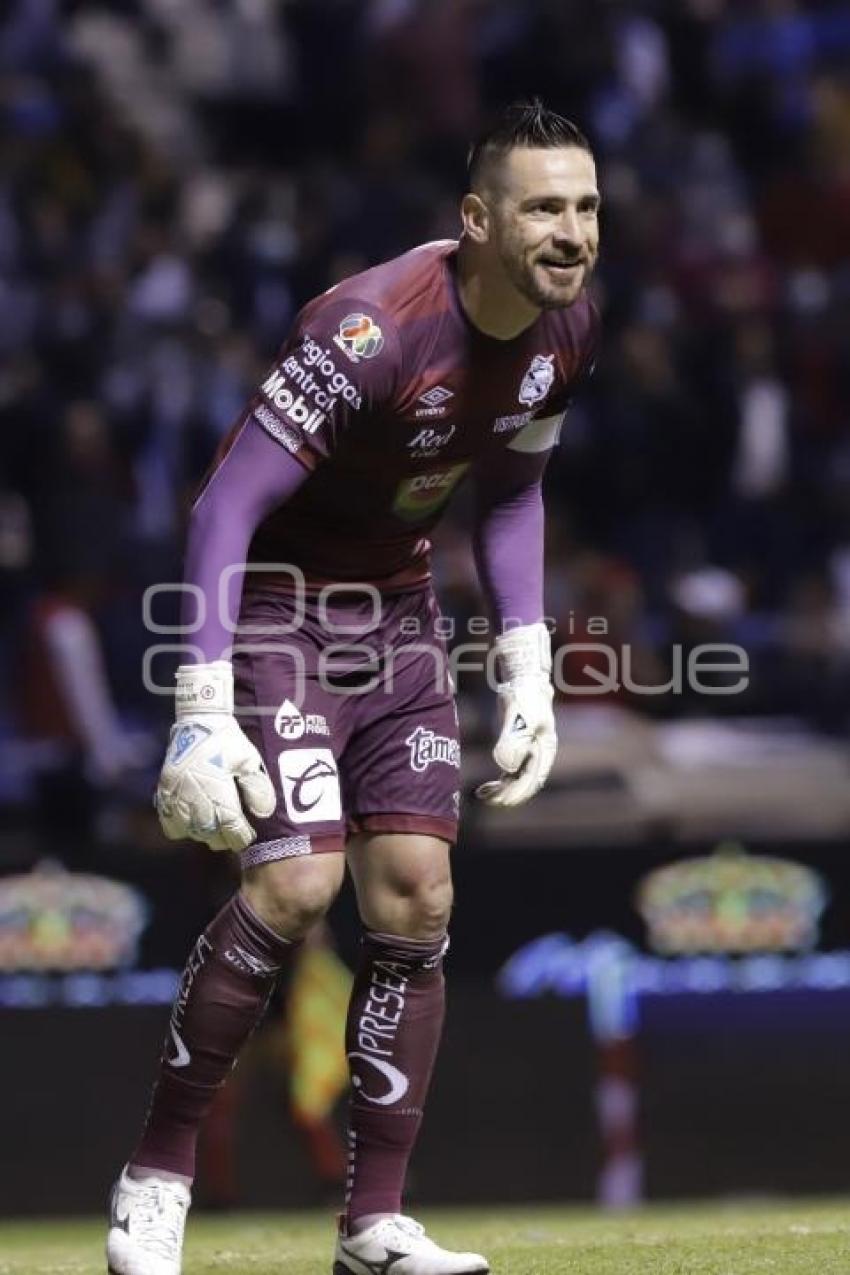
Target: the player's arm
(313, 393)
(211, 768)
(508, 544)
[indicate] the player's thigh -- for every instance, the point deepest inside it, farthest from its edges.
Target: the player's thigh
(403, 882)
(402, 762)
(300, 730)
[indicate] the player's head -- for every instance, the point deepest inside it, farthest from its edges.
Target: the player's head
(532, 207)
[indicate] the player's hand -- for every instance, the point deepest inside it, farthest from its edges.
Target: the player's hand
(527, 743)
(211, 768)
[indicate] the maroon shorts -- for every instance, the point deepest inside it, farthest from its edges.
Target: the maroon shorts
(351, 706)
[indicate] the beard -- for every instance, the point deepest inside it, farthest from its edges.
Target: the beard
(540, 287)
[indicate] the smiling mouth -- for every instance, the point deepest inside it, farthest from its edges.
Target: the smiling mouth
(563, 266)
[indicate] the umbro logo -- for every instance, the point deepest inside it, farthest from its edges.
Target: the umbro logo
(435, 401)
(434, 397)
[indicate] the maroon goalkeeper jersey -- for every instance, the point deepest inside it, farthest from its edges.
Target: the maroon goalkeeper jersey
(389, 396)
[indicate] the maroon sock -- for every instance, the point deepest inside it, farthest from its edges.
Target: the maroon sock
(224, 990)
(395, 1020)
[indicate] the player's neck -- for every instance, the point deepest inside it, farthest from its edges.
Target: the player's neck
(490, 301)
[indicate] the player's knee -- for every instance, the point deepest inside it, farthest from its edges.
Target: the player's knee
(292, 895)
(429, 906)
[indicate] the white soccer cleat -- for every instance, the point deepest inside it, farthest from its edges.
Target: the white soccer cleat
(146, 1222)
(399, 1246)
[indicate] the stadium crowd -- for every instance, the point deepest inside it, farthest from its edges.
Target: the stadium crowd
(179, 178)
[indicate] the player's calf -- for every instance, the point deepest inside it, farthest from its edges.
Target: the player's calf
(395, 1020)
(223, 992)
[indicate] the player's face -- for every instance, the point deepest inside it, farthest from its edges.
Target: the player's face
(545, 223)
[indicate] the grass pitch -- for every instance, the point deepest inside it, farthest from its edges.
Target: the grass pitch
(760, 1239)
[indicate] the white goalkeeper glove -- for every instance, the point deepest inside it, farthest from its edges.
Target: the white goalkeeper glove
(527, 743)
(208, 756)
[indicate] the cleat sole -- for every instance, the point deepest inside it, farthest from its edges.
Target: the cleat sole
(339, 1269)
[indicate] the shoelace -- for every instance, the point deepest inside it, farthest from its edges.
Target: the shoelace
(158, 1216)
(409, 1230)
(409, 1225)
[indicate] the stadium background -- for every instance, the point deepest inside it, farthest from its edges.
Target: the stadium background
(177, 179)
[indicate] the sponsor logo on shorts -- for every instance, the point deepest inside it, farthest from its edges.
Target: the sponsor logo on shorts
(310, 783)
(278, 429)
(426, 748)
(506, 424)
(537, 381)
(420, 496)
(429, 441)
(435, 401)
(359, 337)
(292, 724)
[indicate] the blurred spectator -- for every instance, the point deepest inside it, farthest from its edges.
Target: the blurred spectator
(179, 179)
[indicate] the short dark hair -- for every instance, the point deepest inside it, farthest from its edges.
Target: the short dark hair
(528, 124)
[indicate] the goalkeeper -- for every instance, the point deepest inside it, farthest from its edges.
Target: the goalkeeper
(326, 732)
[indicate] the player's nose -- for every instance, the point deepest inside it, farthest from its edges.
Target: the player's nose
(568, 234)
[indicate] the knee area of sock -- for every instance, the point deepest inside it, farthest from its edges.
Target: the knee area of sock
(291, 898)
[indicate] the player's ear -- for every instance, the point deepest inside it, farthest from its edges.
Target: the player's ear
(476, 218)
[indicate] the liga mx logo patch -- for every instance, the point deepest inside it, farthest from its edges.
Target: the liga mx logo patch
(537, 381)
(359, 337)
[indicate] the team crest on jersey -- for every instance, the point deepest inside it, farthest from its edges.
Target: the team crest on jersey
(359, 337)
(537, 381)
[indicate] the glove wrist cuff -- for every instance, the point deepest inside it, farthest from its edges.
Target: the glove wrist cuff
(204, 688)
(524, 652)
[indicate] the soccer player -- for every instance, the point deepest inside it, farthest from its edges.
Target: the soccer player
(330, 720)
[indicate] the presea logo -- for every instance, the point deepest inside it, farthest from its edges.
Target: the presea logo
(537, 381)
(359, 337)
